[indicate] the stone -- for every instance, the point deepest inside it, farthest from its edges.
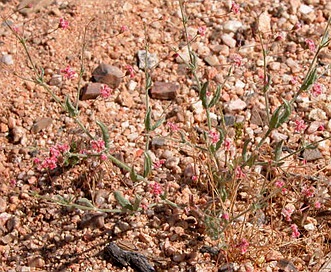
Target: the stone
(236, 105)
(311, 154)
(56, 80)
(41, 124)
(92, 220)
(152, 59)
(293, 65)
(90, 91)
(108, 74)
(212, 60)
(7, 59)
(232, 26)
(229, 120)
(164, 90)
(125, 99)
(304, 9)
(294, 5)
(18, 134)
(229, 40)
(317, 115)
(3, 205)
(36, 261)
(29, 6)
(259, 117)
(264, 23)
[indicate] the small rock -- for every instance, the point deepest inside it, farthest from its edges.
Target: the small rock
(7, 239)
(152, 59)
(293, 65)
(178, 257)
(275, 66)
(286, 266)
(259, 117)
(294, 5)
(3, 205)
(232, 26)
(277, 136)
(229, 120)
(3, 128)
(123, 226)
(18, 134)
(41, 123)
(229, 40)
(92, 220)
(158, 142)
(12, 223)
(212, 60)
(309, 227)
(107, 74)
(7, 59)
(90, 91)
(164, 90)
(312, 154)
(304, 9)
(132, 85)
(273, 255)
(28, 6)
(56, 80)
(236, 105)
(36, 261)
(183, 56)
(317, 115)
(264, 23)
(125, 99)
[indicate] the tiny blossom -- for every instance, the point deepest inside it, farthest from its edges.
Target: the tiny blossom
(212, 73)
(214, 136)
(294, 80)
(300, 125)
(144, 206)
(202, 30)
(156, 189)
(68, 72)
(287, 212)
(239, 173)
(194, 178)
(237, 60)
(243, 246)
(227, 144)
(15, 28)
(124, 28)
(308, 192)
(317, 204)
(279, 183)
(297, 26)
(130, 70)
(103, 157)
(235, 8)
(50, 163)
(105, 91)
(321, 128)
(36, 161)
(98, 145)
(295, 231)
(54, 151)
(13, 182)
(159, 163)
(225, 216)
(64, 24)
(279, 37)
(317, 89)
(173, 127)
(311, 45)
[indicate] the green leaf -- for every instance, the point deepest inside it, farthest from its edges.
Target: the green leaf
(244, 152)
(278, 150)
(203, 94)
(122, 200)
(148, 121)
(147, 164)
(105, 133)
(136, 203)
(85, 202)
(148, 81)
(193, 61)
(133, 175)
(158, 123)
(309, 80)
(221, 140)
(70, 107)
(215, 98)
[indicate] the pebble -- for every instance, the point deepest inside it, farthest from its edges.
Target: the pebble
(317, 115)
(56, 80)
(152, 59)
(92, 220)
(164, 90)
(125, 99)
(229, 40)
(293, 65)
(7, 59)
(41, 124)
(232, 26)
(236, 105)
(90, 91)
(108, 74)
(312, 154)
(264, 23)
(304, 9)
(212, 60)
(3, 205)
(18, 134)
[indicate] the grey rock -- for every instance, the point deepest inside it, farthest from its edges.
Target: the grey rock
(264, 23)
(259, 117)
(152, 59)
(29, 6)
(228, 40)
(41, 124)
(232, 26)
(108, 74)
(56, 80)
(92, 220)
(312, 154)
(7, 59)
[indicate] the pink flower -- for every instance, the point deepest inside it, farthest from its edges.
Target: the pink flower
(156, 189)
(227, 144)
(235, 8)
(159, 163)
(317, 204)
(297, 26)
(103, 157)
(173, 127)
(287, 211)
(239, 173)
(317, 89)
(50, 163)
(68, 72)
(130, 70)
(64, 24)
(295, 231)
(202, 30)
(237, 60)
(279, 183)
(294, 80)
(321, 128)
(243, 245)
(311, 45)
(214, 136)
(225, 216)
(299, 125)
(308, 192)
(105, 91)
(194, 178)
(98, 145)
(124, 28)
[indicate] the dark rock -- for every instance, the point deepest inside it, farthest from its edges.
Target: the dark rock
(41, 123)
(90, 91)
(164, 90)
(286, 266)
(92, 220)
(107, 74)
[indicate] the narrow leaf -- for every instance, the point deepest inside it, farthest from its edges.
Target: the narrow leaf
(147, 164)
(105, 133)
(70, 107)
(278, 150)
(148, 126)
(122, 200)
(215, 98)
(158, 123)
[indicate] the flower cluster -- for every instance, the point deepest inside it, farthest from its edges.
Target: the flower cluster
(317, 89)
(202, 30)
(97, 145)
(130, 71)
(287, 212)
(105, 91)
(243, 245)
(51, 162)
(156, 189)
(235, 8)
(68, 72)
(64, 24)
(159, 163)
(311, 45)
(214, 136)
(295, 231)
(299, 125)
(173, 127)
